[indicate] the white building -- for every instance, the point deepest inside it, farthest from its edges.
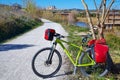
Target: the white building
(51, 8)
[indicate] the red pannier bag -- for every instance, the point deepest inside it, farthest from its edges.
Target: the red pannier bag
(49, 34)
(101, 50)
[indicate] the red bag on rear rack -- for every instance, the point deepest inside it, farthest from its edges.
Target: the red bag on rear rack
(49, 34)
(101, 50)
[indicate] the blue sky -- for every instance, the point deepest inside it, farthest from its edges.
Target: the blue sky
(60, 4)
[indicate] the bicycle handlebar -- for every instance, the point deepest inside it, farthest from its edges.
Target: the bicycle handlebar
(84, 39)
(59, 35)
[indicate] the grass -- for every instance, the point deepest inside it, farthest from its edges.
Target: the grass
(113, 42)
(72, 30)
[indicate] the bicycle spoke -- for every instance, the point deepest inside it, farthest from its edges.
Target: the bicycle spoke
(42, 67)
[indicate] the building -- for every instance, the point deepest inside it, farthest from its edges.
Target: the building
(51, 8)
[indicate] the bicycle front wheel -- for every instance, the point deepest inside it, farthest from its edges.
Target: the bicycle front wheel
(41, 67)
(99, 69)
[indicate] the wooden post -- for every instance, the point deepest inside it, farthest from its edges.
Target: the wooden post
(108, 17)
(113, 17)
(107, 26)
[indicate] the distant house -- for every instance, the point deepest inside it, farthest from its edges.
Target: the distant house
(16, 6)
(51, 8)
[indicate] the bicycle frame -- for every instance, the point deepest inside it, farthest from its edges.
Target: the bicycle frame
(74, 62)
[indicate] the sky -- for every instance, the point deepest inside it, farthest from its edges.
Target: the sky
(60, 4)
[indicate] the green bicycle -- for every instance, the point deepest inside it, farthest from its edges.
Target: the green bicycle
(47, 61)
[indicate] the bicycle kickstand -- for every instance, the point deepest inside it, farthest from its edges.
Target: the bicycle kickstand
(75, 69)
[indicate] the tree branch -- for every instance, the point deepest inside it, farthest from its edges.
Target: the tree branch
(98, 10)
(108, 9)
(104, 9)
(89, 18)
(95, 4)
(101, 5)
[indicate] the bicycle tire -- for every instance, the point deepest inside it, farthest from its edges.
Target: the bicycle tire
(40, 72)
(90, 73)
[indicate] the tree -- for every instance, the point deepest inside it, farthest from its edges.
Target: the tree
(100, 19)
(30, 7)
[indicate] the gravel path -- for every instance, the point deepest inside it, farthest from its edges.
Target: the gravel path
(16, 55)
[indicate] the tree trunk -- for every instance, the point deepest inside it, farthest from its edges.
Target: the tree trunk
(100, 22)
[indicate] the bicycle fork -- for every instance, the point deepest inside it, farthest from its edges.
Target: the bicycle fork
(49, 60)
(75, 69)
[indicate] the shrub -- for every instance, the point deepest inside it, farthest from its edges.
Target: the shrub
(16, 26)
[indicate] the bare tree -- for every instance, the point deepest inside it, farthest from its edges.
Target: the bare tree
(100, 21)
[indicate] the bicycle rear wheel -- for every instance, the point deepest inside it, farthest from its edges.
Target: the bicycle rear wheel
(99, 69)
(41, 67)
